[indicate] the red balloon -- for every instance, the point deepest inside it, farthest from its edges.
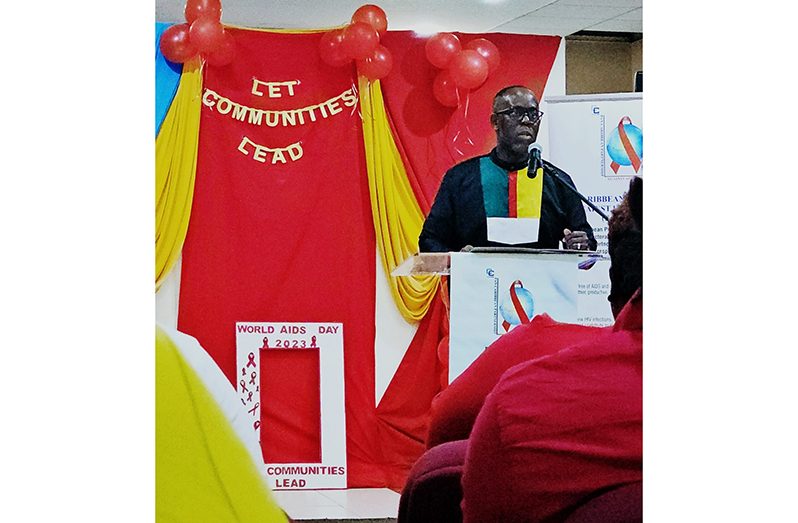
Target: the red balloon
(196, 8)
(445, 90)
(372, 15)
(489, 52)
(376, 66)
(441, 49)
(225, 53)
(206, 34)
(331, 48)
(469, 70)
(176, 45)
(360, 40)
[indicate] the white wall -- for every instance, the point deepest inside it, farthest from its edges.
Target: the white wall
(167, 297)
(554, 87)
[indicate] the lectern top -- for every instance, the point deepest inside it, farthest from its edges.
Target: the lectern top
(438, 262)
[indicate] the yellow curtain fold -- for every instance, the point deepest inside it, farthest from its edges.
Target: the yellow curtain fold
(175, 170)
(397, 216)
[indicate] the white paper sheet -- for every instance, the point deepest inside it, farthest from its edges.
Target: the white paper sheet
(513, 230)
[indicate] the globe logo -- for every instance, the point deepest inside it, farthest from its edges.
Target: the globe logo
(517, 305)
(625, 145)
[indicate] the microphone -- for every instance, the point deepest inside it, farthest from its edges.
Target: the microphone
(535, 163)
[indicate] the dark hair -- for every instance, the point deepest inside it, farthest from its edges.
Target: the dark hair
(625, 238)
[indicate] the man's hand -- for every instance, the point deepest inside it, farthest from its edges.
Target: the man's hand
(576, 240)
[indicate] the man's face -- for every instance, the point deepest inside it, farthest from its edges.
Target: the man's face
(515, 129)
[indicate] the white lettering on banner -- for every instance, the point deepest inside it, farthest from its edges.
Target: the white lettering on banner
(275, 89)
(260, 153)
(282, 118)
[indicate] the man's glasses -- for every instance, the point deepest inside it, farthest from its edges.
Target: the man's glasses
(518, 113)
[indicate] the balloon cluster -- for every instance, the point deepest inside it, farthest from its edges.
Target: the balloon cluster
(202, 34)
(359, 41)
(462, 69)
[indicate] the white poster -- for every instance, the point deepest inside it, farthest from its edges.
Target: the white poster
(493, 293)
(598, 141)
(252, 339)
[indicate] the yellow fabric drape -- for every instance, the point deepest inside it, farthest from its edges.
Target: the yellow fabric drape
(175, 170)
(203, 471)
(397, 216)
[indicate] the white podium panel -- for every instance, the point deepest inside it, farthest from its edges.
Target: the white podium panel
(493, 293)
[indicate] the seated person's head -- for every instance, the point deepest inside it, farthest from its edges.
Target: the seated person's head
(625, 238)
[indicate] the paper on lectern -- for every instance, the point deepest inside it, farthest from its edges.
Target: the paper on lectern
(513, 230)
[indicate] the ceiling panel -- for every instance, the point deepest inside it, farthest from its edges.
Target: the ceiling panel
(628, 26)
(608, 3)
(548, 26)
(561, 17)
(635, 14)
(560, 10)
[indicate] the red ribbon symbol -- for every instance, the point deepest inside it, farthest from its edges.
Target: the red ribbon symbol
(627, 145)
(519, 309)
(251, 362)
(243, 386)
(252, 378)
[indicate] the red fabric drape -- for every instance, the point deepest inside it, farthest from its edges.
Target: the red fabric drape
(290, 435)
(404, 411)
(285, 242)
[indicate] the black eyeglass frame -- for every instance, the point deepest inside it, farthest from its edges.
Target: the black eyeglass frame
(518, 113)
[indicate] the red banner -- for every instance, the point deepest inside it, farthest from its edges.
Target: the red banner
(281, 226)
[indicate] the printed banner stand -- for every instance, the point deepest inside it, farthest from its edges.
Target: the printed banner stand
(493, 292)
(257, 341)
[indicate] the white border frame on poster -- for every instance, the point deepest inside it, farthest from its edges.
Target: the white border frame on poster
(328, 339)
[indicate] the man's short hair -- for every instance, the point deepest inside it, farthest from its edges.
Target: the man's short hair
(504, 90)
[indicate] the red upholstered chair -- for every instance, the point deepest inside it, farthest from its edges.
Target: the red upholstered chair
(433, 493)
(619, 505)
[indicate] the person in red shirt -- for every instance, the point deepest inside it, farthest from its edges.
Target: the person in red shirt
(558, 429)
(455, 408)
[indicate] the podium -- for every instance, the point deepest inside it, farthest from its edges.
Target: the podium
(494, 290)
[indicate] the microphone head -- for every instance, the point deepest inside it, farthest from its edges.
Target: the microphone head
(535, 149)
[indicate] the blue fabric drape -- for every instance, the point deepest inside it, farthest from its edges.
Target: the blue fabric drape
(167, 76)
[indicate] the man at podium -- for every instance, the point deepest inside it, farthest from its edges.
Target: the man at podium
(498, 200)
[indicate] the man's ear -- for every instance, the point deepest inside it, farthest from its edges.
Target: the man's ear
(494, 121)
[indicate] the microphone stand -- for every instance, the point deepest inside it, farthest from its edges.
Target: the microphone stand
(556, 171)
